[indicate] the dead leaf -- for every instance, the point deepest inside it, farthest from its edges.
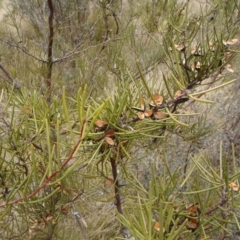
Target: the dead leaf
(195, 51)
(141, 115)
(192, 224)
(65, 209)
(211, 46)
(156, 226)
(229, 69)
(207, 227)
(193, 209)
(35, 224)
(193, 66)
(49, 218)
(109, 141)
(159, 115)
(178, 94)
(230, 42)
(179, 47)
(193, 220)
(148, 113)
(234, 186)
(100, 123)
(108, 182)
(142, 104)
(43, 223)
(156, 99)
(198, 65)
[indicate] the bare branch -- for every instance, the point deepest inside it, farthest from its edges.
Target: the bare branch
(23, 49)
(50, 50)
(74, 52)
(116, 185)
(10, 79)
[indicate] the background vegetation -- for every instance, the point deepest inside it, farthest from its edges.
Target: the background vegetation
(119, 119)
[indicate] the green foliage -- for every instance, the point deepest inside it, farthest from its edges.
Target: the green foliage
(166, 210)
(84, 127)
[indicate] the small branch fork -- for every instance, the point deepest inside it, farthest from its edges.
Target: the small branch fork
(53, 174)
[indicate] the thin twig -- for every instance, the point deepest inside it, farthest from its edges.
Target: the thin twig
(74, 52)
(23, 49)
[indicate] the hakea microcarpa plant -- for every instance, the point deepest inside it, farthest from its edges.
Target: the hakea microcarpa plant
(155, 104)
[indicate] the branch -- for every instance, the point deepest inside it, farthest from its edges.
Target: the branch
(50, 50)
(10, 78)
(105, 19)
(23, 49)
(207, 87)
(223, 201)
(116, 185)
(73, 52)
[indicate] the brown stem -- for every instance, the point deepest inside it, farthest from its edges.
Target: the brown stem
(116, 21)
(76, 146)
(10, 78)
(223, 201)
(50, 50)
(105, 19)
(116, 185)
